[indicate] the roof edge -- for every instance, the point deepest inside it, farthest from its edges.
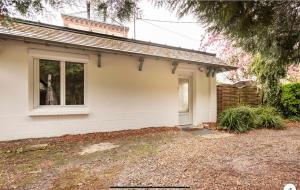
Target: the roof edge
(60, 44)
(51, 26)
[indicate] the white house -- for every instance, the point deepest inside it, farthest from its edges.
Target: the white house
(56, 80)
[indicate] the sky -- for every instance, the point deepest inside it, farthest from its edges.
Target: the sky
(185, 35)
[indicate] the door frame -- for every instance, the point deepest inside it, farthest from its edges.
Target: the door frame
(189, 76)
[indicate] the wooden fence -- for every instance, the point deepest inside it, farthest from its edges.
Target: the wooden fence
(229, 96)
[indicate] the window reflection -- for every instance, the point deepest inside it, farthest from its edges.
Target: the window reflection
(49, 82)
(183, 88)
(74, 83)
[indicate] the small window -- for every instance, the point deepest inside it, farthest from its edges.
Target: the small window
(58, 83)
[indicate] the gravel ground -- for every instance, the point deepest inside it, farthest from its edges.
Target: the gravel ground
(260, 159)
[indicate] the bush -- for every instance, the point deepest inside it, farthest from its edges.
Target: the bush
(267, 117)
(290, 99)
(294, 118)
(243, 118)
(239, 119)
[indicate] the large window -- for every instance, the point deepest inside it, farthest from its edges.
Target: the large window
(58, 83)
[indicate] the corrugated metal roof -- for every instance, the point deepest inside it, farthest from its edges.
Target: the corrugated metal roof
(38, 32)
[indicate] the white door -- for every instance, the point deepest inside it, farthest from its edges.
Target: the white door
(185, 100)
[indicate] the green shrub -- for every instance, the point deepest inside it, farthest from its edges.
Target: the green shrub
(290, 99)
(265, 110)
(243, 118)
(239, 119)
(267, 117)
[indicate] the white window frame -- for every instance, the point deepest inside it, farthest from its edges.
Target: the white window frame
(36, 109)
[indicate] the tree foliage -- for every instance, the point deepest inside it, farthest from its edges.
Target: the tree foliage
(27, 7)
(271, 28)
(269, 73)
(230, 54)
(121, 9)
(290, 99)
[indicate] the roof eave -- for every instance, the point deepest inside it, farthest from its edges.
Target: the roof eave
(219, 67)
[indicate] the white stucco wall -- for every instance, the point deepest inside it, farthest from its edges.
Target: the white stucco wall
(118, 95)
(204, 94)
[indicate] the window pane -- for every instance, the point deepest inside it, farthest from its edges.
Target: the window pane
(49, 82)
(74, 83)
(183, 88)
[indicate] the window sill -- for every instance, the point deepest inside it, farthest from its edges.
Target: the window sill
(58, 111)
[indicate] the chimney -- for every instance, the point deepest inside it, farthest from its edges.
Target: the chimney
(94, 26)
